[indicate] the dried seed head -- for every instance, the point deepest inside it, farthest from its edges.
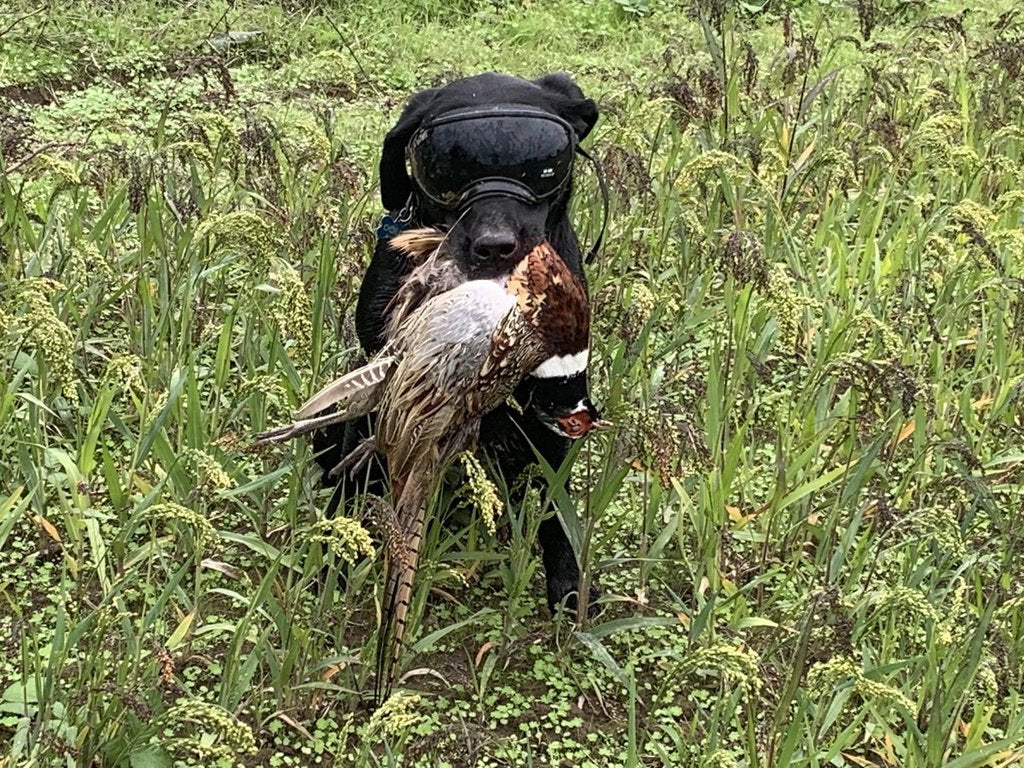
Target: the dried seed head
(749, 69)
(166, 662)
(627, 173)
(685, 105)
(140, 173)
(712, 94)
(742, 258)
(866, 18)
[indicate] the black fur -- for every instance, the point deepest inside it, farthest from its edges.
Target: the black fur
(486, 238)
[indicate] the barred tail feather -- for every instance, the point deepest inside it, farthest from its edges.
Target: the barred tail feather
(358, 392)
(410, 515)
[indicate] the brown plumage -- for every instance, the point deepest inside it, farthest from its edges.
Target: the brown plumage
(452, 359)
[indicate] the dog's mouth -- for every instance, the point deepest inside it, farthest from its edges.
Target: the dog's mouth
(495, 268)
(424, 243)
(498, 272)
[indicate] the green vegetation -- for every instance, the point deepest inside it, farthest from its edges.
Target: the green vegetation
(807, 527)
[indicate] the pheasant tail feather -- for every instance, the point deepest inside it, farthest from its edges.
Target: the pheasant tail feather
(410, 517)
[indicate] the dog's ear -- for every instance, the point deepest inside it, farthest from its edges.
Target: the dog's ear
(395, 185)
(569, 102)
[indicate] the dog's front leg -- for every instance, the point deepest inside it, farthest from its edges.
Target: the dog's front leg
(508, 437)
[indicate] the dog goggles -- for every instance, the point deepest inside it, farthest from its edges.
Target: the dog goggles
(468, 154)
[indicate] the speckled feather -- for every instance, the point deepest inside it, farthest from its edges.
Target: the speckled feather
(442, 350)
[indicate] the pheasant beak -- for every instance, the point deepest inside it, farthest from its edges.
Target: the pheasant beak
(581, 420)
(575, 424)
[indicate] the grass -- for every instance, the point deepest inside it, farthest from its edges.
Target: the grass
(809, 329)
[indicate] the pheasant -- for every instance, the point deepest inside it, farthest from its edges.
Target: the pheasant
(449, 361)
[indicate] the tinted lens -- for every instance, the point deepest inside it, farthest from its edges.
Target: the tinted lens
(529, 156)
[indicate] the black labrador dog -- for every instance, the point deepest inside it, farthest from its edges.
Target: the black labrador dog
(491, 159)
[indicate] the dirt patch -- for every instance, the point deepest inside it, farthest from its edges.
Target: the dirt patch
(37, 94)
(177, 65)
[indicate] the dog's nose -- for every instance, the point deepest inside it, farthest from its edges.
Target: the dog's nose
(494, 246)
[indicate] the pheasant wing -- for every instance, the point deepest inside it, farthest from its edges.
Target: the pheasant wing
(358, 391)
(442, 347)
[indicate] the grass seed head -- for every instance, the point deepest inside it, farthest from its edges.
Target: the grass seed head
(33, 317)
(396, 715)
(232, 736)
(203, 532)
(720, 758)
(64, 171)
(244, 232)
(124, 372)
(291, 311)
(741, 666)
(743, 258)
(823, 678)
(479, 492)
(208, 471)
(346, 537)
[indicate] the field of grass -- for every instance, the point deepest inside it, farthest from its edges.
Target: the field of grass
(807, 527)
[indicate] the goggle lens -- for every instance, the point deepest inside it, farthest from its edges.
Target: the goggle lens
(465, 155)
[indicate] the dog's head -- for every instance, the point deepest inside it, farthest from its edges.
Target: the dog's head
(491, 159)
